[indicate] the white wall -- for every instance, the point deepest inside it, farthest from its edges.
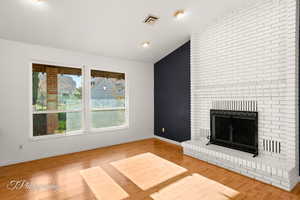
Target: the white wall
(250, 55)
(15, 79)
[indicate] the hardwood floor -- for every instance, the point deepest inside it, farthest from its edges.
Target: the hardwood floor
(63, 171)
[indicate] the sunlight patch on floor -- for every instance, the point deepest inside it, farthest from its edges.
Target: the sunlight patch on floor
(148, 170)
(195, 187)
(102, 185)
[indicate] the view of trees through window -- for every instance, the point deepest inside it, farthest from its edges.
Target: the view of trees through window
(57, 99)
(39, 91)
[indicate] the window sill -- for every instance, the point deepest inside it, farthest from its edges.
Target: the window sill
(81, 132)
(108, 129)
(55, 136)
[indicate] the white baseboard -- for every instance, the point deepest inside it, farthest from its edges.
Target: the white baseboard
(12, 162)
(167, 140)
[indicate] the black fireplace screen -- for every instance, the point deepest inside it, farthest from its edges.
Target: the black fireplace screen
(235, 129)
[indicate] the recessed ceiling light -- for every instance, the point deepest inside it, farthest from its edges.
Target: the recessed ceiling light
(38, 4)
(38, 1)
(146, 44)
(179, 14)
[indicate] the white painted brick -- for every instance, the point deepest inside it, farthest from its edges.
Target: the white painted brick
(268, 169)
(250, 54)
(285, 175)
(274, 171)
(279, 173)
(253, 165)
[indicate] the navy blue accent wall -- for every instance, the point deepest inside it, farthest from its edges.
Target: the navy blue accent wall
(172, 95)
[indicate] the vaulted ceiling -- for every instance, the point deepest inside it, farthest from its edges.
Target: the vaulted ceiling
(108, 27)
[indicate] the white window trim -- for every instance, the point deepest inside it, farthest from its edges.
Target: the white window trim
(56, 111)
(90, 109)
(59, 135)
(104, 109)
(86, 104)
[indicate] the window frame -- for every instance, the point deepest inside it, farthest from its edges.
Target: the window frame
(90, 109)
(69, 133)
(86, 109)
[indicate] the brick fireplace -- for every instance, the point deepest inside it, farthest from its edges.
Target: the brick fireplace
(247, 56)
(234, 130)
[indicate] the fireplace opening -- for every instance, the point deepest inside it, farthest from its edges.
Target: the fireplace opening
(235, 130)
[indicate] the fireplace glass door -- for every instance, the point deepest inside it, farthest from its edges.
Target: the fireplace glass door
(235, 129)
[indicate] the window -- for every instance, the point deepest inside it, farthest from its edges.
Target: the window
(57, 100)
(107, 99)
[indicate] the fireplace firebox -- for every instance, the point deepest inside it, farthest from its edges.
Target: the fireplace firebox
(235, 130)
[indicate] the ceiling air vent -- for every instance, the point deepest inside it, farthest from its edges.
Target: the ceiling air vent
(151, 20)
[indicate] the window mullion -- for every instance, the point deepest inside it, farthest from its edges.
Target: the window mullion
(57, 111)
(108, 109)
(87, 98)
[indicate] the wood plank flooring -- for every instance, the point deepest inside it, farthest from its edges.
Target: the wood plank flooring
(63, 172)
